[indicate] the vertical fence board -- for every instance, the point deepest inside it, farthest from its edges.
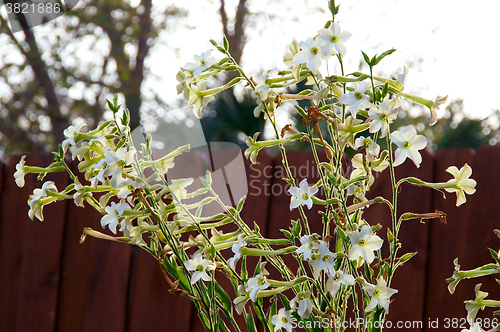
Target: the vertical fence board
(41, 250)
(14, 217)
(151, 301)
(94, 279)
(260, 177)
(450, 241)
(413, 236)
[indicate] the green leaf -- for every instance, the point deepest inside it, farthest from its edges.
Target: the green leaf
(217, 46)
(256, 227)
(376, 60)
(406, 257)
(301, 111)
(225, 42)
(244, 272)
(250, 322)
(239, 207)
(285, 301)
(385, 90)
(110, 105)
(288, 234)
(333, 9)
(497, 232)
(494, 254)
(296, 228)
(367, 59)
(126, 117)
(273, 311)
(342, 235)
(204, 320)
(225, 299)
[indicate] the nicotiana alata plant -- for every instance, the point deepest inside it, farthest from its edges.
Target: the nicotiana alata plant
(340, 270)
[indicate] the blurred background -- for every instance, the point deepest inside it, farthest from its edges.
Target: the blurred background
(61, 72)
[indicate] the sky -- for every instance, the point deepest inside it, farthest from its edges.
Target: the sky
(449, 46)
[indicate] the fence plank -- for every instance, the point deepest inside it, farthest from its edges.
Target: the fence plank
(413, 236)
(450, 241)
(41, 251)
(94, 279)
(150, 299)
(29, 263)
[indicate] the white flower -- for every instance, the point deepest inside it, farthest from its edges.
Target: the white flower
(305, 305)
(255, 284)
(408, 143)
(310, 53)
(197, 99)
(240, 301)
(439, 101)
(201, 266)
(473, 307)
(78, 196)
(19, 173)
(334, 38)
(236, 248)
(461, 182)
(177, 187)
(113, 212)
(380, 295)
(201, 63)
(371, 147)
(364, 243)
(163, 165)
(125, 186)
(326, 261)
(282, 320)
(336, 279)
(71, 133)
(36, 210)
(112, 165)
(262, 88)
(294, 48)
(400, 76)
(302, 195)
(382, 117)
(355, 99)
(476, 327)
(309, 243)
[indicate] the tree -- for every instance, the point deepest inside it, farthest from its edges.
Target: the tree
(51, 80)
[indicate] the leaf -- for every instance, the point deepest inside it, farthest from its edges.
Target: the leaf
(285, 301)
(225, 42)
(497, 232)
(250, 322)
(494, 254)
(301, 111)
(342, 235)
(385, 90)
(406, 257)
(225, 299)
(376, 60)
(288, 234)
(367, 59)
(217, 46)
(296, 228)
(239, 207)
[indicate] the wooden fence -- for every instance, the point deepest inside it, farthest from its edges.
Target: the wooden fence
(50, 282)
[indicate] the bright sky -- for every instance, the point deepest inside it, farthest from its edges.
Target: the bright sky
(455, 42)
